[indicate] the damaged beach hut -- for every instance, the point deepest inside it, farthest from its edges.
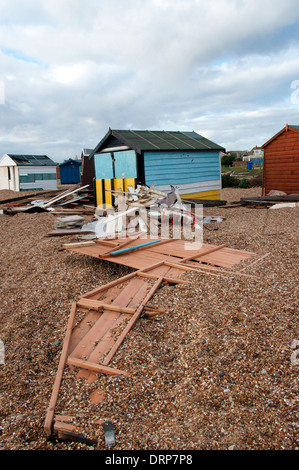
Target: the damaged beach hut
(281, 161)
(185, 160)
(27, 172)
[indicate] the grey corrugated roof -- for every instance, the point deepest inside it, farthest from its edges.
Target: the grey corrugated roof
(33, 160)
(294, 127)
(142, 140)
(166, 140)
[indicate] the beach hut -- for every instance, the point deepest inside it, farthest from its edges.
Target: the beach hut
(70, 171)
(27, 172)
(281, 161)
(186, 160)
(87, 169)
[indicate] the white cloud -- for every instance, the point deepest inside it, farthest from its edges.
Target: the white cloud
(69, 74)
(72, 69)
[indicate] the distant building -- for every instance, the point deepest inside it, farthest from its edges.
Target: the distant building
(27, 172)
(257, 152)
(237, 154)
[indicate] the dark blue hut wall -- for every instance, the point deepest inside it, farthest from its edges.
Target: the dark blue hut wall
(70, 173)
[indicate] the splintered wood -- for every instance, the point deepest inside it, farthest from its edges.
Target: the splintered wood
(100, 320)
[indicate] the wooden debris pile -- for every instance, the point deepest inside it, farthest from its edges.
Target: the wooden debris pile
(141, 210)
(67, 201)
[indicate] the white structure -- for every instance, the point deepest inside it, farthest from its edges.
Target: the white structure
(21, 172)
(258, 152)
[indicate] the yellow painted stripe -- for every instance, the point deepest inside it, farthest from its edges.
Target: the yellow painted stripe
(118, 184)
(129, 182)
(213, 195)
(99, 193)
(108, 194)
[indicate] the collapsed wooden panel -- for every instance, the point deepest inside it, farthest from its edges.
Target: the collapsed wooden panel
(169, 250)
(101, 335)
(101, 319)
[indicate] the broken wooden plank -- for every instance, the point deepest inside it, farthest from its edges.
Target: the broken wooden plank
(63, 426)
(101, 368)
(60, 232)
(77, 244)
(165, 278)
(98, 305)
(188, 268)
(68, 432)
(197, 255)
(255, 262)
(64, 418)
(152, 312)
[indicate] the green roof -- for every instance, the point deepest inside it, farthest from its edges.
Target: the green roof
(145, 140)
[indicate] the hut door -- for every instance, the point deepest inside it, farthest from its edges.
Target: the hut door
(11, 178)
(114, 170)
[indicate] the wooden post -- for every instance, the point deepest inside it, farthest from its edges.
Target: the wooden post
(55, 391)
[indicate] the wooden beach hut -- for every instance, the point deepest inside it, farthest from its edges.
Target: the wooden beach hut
(186, 160)
(281, 161)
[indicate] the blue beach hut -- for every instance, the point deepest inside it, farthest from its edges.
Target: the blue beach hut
(186, 160)
(70, 171)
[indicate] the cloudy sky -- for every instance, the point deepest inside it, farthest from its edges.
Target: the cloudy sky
(70, 69)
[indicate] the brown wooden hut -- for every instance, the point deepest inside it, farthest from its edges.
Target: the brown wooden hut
(87, 169)
(281, 161)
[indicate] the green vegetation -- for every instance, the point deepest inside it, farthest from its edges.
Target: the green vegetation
(244, 183)
(229, 181)
(237, 177)
(228, 160)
